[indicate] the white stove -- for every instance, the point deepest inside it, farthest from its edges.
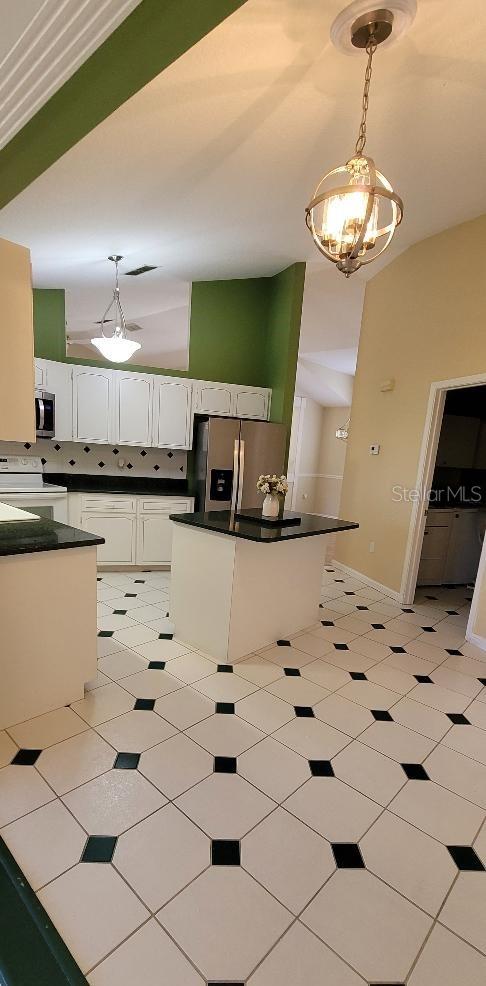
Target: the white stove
(22, 485)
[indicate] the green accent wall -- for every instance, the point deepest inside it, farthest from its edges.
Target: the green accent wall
(242, 331)
(153, 36)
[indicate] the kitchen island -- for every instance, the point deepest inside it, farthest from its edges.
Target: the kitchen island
(240, 583)
(48, 616)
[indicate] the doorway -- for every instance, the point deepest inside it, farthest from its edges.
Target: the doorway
(449, 518)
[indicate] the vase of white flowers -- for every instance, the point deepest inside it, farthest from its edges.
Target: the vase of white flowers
(274, 488)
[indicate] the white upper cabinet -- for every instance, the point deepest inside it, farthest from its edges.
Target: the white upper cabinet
(40, 374)
(172, 413)
(252, 403)
(214, 398)
(133, 408)
(93, 403)
(59, 381)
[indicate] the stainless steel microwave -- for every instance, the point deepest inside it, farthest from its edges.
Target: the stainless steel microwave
(45, 414)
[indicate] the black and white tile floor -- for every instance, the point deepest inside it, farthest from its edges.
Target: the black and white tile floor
(314, 816)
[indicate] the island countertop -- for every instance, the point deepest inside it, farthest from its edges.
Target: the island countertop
(29, 536)
(248, 524)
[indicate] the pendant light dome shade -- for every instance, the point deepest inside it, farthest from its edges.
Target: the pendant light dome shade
(353, 214)
(117, 348)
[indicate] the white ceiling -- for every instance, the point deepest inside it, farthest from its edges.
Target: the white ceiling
(42, 44)
(206, 171)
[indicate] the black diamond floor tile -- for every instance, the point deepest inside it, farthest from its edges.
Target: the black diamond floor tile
(358, 675)
(454, 652)
(428, 629)
(452, 612)
(119, 612)
(283, 643)
(347, 855)
(482, 681)
(378, 626)
(225, 708)
(157, 665)
(408, 610)
(127, 761)
(321, 768)
(382, 715)
(99, 849)
(225, 668)
(225, 765)
(139, 581)
(415, 772)
(349, 593)
(292, 672)
(225, 852)
(327, 623)
(423, 679)
(465, 858)
(341, 647)
(105, 633)
(145, 704)
(304, 711)
(130, 595)
(166, 636)
(363, 607)
(26, 758)
(398, 650)
(458, 718)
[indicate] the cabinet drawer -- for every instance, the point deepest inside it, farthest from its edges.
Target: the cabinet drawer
(108, 504)
(163, 505)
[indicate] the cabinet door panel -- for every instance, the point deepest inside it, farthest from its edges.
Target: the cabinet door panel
(133, 409)
(40, 374)
(92, 405)
(251, 404)
(173, 427)
(119, 535)
(59, 381)
(215, 399)
(154, 542)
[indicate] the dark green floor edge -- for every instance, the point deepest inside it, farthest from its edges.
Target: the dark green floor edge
(32, 953)
(154, 35)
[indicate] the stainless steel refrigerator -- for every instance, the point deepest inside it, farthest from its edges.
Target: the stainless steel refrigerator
(230, 455)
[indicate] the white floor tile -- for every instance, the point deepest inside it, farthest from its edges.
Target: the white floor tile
(36, 734)
(325, 674)
(160, 650)
(191, 667)
(351, 660)
(335, 634)
(289, 859)
(476, 713)
(248, 922)
(144, 614)
(448, 961)
(225, 735)
(161, 855)
(107, 645)
(391, 678)
(223, 686)
(103, 704)
(425, 650)
(225, 806)
(368, 694)
(136, 731)
(8, 748)
(286, 657)
(369, 649)
(313, 739)
(460, 774)
(369, 772)
(184, 708)
(467, 665)
(45, 843)
(397, 742)
(151, 683)
(347, 716)
(175, 765)
(121, 663)
(457, 682)
(438, 697)
(333, 809)
(297, 691)
(258, 670)
(421, 718)
(74, 761)
(408, 663)
(115, 622)
(469, 740)
(265, 711)
(438, 812)
(22, 789)
(410, 861)
(93, 910)
(96, 682)
(110, 804)
(273, 768)
(354, 911)
(465, 908)
(136, 635)
(141, 958)
(391, 638)
(311, 644)
(300, 959)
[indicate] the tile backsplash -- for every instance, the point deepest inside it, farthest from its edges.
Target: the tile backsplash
(111, 460)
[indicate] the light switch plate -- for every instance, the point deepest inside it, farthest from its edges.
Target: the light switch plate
(374, 449)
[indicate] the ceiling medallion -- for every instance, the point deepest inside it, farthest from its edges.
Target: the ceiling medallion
(116, 348)
(354, 211)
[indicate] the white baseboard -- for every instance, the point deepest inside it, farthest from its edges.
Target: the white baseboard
(367, 581)
(474, 638)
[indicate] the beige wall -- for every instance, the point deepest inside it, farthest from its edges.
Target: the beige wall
(17, 420)
(424, 320)
(318, 461)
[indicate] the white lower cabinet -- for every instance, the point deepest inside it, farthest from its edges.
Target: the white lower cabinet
(136, 529)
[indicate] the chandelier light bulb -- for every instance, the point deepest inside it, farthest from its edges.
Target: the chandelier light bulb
(354, 211)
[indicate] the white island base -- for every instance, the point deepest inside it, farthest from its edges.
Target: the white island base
(231, 596)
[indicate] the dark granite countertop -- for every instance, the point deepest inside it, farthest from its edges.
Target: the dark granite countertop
(248, 525)
(28, 536)
(83, 483)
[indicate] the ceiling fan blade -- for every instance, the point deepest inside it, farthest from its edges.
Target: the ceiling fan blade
(133, 327)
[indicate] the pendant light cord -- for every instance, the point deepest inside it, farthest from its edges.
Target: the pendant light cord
(371, 47)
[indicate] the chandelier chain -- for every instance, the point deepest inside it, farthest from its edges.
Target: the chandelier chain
(371, 47)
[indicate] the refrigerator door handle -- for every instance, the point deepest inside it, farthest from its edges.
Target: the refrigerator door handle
(241, 473)
(236, 476)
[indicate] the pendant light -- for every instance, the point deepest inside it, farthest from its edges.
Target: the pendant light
(354, 211)
(116, 348)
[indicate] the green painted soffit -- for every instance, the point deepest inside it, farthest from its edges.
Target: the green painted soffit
(153, 36)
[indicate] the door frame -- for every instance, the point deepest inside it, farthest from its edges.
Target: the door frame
(425, 475)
